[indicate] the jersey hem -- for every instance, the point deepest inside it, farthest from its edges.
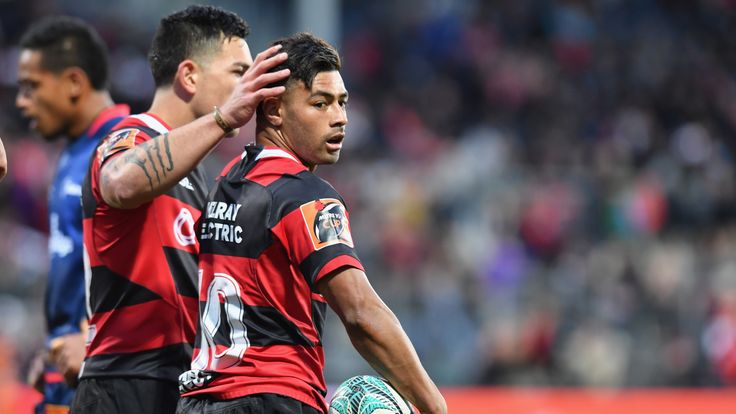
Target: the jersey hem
(262, 389)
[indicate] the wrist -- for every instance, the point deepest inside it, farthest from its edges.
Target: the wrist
(226, 127)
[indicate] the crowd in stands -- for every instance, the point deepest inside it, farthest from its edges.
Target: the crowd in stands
(544, 191)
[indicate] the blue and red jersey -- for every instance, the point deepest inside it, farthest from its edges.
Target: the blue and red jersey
(65, 301)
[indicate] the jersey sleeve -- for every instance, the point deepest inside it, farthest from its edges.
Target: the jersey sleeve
(119, 141)
(318, 238)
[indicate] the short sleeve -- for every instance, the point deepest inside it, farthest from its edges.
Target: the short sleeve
(119, 141)
(318, 238)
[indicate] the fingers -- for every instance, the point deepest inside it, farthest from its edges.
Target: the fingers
(35, 372)
(253, 87)
(71, 374)
(259, 76)
(265, 61)
(269, 58)
(270, 77)
(271, 92)
(55, 349)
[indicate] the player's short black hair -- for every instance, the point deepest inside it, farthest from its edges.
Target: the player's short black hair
(188, 33)
(308, 56)
(66, 42)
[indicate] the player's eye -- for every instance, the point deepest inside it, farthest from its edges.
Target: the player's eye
(25, 88)
(240, 71)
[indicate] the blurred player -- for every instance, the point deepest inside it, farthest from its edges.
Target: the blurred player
(3, 161)
(275, 249)
(62, 89)
(143, 195)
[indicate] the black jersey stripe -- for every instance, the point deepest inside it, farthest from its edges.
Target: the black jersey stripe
(291, 191)
(313, 263)
(89, 202)
(165, 363)
(255, 238)
(319, 311)
(266, 326)
(183, 267)
(192, 189)
(110, 291)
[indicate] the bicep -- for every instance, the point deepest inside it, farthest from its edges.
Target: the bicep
(349, 293)
(109, 175)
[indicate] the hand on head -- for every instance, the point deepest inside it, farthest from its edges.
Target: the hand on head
(252, 87)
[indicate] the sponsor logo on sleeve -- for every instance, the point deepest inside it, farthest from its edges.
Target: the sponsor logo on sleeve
(327, 223)
(118, 141)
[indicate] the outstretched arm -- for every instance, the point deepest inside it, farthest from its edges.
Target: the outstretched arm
(148, 170)
(378, 336)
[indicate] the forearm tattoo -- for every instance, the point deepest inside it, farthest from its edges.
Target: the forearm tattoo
(155, 162)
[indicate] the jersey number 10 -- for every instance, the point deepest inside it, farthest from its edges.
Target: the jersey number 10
(223, 297)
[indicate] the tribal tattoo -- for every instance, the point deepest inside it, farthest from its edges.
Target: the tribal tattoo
(154, 161)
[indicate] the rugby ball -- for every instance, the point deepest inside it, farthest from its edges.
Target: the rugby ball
(366, 394)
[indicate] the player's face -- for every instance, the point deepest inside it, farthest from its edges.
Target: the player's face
(220, 73)
(314, 120)
(46, 98)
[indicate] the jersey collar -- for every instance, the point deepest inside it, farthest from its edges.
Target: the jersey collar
(114, 111)
(271, 152)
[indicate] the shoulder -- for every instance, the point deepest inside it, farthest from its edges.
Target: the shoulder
(267, 166)
(304, 185)
(129, 132)
(302, 191)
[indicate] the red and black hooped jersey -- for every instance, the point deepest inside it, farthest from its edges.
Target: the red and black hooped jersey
(270, 231)
(142, 296)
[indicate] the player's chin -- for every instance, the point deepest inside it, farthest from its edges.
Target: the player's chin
(49, 134)
(331, 157)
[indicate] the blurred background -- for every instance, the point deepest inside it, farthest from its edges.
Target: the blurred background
(544, 191)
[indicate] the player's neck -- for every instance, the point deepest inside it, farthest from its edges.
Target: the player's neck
(272, 137)
(269, 136)
(89, 108)
(174, 111)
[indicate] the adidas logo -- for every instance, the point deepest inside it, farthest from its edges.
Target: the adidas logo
(186, 183)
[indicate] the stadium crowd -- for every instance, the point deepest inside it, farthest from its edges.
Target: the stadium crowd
(543, 191)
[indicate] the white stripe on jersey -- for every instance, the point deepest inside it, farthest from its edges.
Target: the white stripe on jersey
(270, 153)
(151, 122)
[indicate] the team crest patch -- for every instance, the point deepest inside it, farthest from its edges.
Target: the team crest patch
(327, 223)
(118, 141)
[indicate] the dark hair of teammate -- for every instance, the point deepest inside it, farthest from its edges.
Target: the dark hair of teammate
(66, 42)
(192, 33)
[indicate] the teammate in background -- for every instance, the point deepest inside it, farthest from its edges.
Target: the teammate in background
(62, 89)
(3, 161)
(275, 249)
(142, 196)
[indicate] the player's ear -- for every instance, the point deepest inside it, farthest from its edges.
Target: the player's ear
(186, 76)
(272, 108)
(76, 82)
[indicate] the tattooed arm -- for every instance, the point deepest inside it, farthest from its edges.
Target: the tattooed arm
(148, 170)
